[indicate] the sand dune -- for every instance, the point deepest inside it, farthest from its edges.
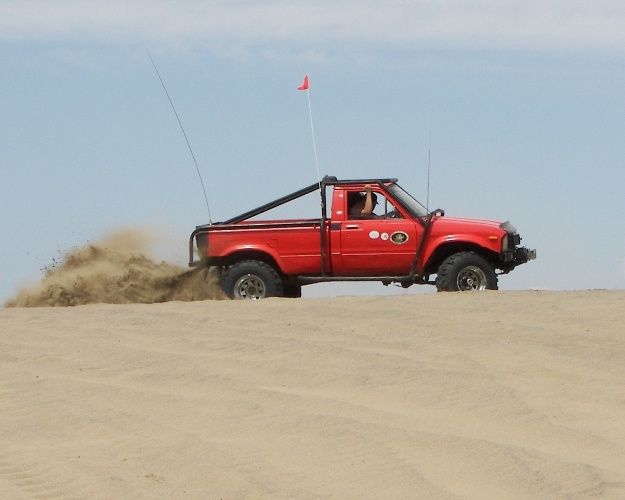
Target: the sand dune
(484, 395)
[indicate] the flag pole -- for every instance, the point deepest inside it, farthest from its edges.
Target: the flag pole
(306, 87)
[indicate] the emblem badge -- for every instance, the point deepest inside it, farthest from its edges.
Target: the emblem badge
(399, 237)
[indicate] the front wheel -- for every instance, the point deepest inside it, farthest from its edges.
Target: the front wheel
(252, 280)
(465, 271)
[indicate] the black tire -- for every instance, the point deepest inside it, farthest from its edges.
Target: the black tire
(252, 280)
(465, 271)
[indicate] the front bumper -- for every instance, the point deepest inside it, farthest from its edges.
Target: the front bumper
(512, 254)
(523, 255)
(515, 257)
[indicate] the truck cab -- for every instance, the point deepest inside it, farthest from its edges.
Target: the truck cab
(384, 243)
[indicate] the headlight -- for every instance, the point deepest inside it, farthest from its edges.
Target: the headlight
(505, 243)
(509, 241)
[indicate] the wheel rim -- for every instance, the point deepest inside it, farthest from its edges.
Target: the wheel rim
(471, 278)
(249, 287)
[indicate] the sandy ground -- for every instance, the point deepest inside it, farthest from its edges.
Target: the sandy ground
(469, 395)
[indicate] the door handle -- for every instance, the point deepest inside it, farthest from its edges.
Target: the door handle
(352, 226)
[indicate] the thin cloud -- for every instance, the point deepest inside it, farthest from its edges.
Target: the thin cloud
(560, 24)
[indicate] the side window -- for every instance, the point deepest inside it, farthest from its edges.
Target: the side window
(382, 206)
(355, 204)
(387, 209)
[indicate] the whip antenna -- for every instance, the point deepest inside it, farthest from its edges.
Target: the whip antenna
(427, 201)
(183, 133)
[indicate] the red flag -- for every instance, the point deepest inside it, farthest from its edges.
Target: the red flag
(304, 86)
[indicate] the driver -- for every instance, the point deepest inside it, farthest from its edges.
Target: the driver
(362, 206)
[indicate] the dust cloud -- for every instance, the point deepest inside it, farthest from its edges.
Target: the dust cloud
(118, 270)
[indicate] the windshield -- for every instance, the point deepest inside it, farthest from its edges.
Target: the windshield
(408, 201)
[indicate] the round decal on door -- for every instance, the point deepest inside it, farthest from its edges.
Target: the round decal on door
(399, 237)
(384, 236)
(374, 235)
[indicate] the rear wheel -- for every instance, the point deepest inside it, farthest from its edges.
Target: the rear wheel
(251, 280)
(465, 271)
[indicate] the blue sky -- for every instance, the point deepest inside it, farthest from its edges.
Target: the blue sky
(525, 103)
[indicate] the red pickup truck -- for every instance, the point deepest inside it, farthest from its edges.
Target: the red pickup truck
(401, 242)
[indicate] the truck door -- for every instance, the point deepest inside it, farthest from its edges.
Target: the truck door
(383, 245)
